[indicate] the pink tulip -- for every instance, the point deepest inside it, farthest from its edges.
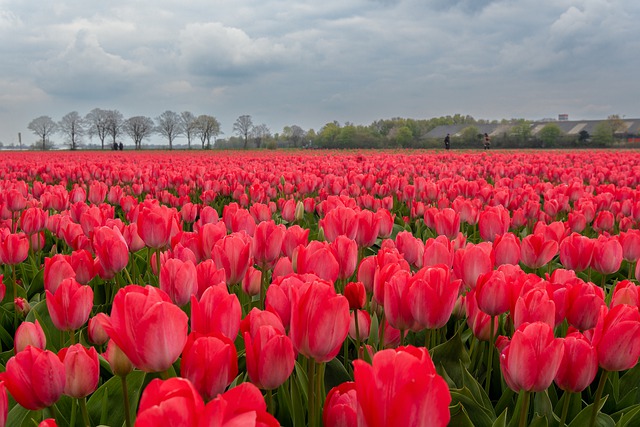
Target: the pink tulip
(319, 320)
(70, 306)
(82, 369)
(532, 359)
(172, 402)
(233, 254)
(29, 334)
(147, 327)
(179, 280)
(216, 311)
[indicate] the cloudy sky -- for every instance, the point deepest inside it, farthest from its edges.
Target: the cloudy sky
(309, 62)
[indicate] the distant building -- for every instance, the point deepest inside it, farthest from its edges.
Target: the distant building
(563, 117)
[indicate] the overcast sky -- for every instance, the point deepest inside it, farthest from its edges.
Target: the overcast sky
(309, 62)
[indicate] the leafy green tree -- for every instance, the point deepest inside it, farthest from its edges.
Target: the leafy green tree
(521, 132)
(470, 134)
(603, 134)
(404, 137)
(549, 134)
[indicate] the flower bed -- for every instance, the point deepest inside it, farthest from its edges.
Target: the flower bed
(337, 289)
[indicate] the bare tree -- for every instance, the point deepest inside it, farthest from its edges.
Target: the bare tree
(295, 134)
(242, 127)
(260, 133)
(207, 127)
(97, 121)
(138, 128)
(169, 126)
(42, 126)
(189, 126)
(72, 127)
(115, 121)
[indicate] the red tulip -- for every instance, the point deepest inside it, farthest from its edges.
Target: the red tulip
(438, 251)
(33, 220)
(15, 200)
(625, 292)
(4, 404)
(411, 248)
(35, 378)
(173, 402)
(493, 221)
(269, 351)
(154, 225)
(532, 359)
(536, 251)
(582, 304)
(341, 406)
(216, 311)
(447, 223)
(604, 221)
(293, 237)
(364, 325)
(209, 235)
(345, 251)
(233, 254)
(576, 252)
(617, 337)
(97, 192)
(493, 293)
(252, 282)
(241, 406)
(70, 306)
(179, 280)
(506, 249)
(267, 243)
(401, 387)
(316, 258)
(29, 334)
(432, 296)
(535, 305)
(385, 220)
(111, 248)
(472, 261)
(278, 298)
(478, 321)
(210, 362)
(147, 327)
(95, 331)
(368, 226)
(398, 302)
(14, 248)
(356, 294)
(579, 364)
(82, 369)
(319, 320)
(56, 269)
(339, 221)
(630, 242)
(607, 255)
(209, 275)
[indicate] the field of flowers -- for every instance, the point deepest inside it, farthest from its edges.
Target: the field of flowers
(323, 288)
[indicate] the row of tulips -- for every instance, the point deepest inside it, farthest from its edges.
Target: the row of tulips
(344, 290)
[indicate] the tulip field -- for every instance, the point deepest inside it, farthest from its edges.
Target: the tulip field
(310, 288)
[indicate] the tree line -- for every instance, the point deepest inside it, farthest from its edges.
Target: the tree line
(109, 127)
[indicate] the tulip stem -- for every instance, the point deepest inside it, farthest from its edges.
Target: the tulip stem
(311, 389)
(72, 334)
(269, 399)
(525, 408)
(381, 327)
(85, 414)
(596, 401)
(15, 296)
(126, 272)
(355, 318)
(74, 411)
(490, 354)
(427, 338)
(158, 264)
(565, 408)
(125, 398)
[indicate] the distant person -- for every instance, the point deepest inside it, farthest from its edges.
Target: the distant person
(121, 146)
(447, 142)
(115, 146)
(487, 141)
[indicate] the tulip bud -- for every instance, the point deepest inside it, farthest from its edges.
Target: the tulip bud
(118, 361)
(22, 306)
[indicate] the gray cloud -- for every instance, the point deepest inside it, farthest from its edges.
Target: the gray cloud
(303, 62)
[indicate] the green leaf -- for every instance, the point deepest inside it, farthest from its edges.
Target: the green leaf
(501, 421)
(480, 415)
(21, 417)
(629, 381)
(459, 416)
(582, 419)
(539, 421)
(453, 356)
(114, 404)
(476, 389)
(40, 312)
(542, 404)
(575, 405)
(335, 374)
(630, 418)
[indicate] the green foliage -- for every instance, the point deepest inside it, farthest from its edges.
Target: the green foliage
(549, 134)
(603, 134)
